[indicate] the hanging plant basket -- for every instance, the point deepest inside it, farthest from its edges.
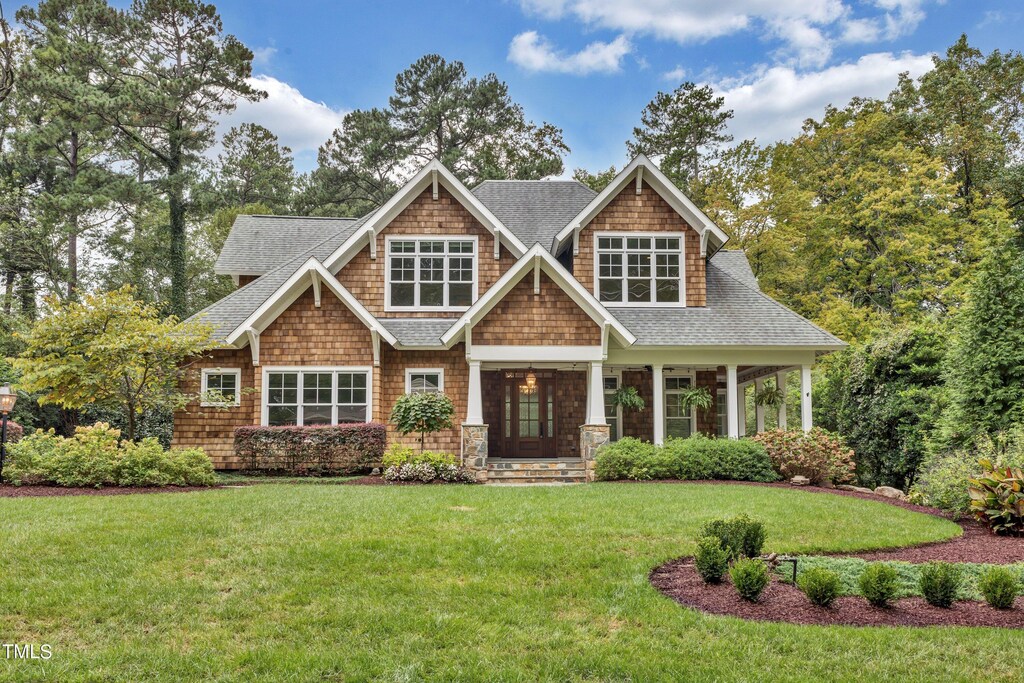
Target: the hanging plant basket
(770, 397)
(628, 398)
(696, 397)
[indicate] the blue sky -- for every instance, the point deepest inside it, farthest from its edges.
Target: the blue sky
(590, 66)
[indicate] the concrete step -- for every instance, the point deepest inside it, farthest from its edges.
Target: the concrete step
(541, 471)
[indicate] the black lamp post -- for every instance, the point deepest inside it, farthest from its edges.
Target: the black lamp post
(7, 401)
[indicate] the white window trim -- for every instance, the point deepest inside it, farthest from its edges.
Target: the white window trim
(204, 387)
(435, 238)
(617, 374)
(641, 304)
(409, 372)
(664, 397)
(722, 392)
(334, 370)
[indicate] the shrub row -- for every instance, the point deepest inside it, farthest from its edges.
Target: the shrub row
(96, 457)
(321, 449)
(696, 457)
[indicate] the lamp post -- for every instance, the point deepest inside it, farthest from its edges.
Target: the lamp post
(7, 400)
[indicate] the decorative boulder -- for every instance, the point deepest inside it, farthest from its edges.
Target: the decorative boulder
(799, 480)
(890, 492)
(856, 489)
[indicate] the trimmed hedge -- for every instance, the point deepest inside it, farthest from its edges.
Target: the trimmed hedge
(696, 457)
(313, 450)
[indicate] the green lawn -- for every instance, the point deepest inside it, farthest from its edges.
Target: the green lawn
(339, 583)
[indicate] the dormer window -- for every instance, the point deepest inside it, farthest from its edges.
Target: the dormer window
(635, 269)
(431, 273)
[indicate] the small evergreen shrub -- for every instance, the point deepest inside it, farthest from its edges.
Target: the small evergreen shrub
(821, 586)
(740, 536)
(818, 455)
(627, 458)
(696, 457)
(320, 449)
(711, 559)
(940, 583)
(999, 587)
(879, 583)
(750, 577)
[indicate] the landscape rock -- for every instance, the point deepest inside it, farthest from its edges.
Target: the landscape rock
(799, 480)
(890, 492)
(857, 489)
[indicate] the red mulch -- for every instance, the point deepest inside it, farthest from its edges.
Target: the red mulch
(784, 602)
(9, 491)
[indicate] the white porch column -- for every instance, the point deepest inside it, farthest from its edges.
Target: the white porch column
(659, 405)
(741, 409)
(758, 408)
(732, 402)
(595, 395)
(780, 382)
(475, 407)
(806, 419)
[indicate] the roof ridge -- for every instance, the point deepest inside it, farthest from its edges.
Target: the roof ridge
(313, 218)
(776, 303)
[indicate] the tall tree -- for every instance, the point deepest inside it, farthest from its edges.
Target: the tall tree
(69, 44)
(253, 168)
(595, 181)
(180, 71)
(687, 129)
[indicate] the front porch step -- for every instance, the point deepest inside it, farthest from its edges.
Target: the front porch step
(541, 471)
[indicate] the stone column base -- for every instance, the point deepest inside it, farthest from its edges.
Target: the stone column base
(474, 450)
(592, 437)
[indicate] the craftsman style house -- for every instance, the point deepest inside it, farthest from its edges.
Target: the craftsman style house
(528, 302)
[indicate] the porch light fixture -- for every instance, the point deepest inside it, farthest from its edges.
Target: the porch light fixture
(7, 400)
(531, 380)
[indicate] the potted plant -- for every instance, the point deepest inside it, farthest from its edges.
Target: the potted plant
(770, 396)
(696, 397)
(628, 398)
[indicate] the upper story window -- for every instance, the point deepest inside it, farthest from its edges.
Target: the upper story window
(640, 269)
(436, 273)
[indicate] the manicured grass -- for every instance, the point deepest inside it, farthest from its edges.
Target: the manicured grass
(850, 568)
(314, 583)
(231, 478)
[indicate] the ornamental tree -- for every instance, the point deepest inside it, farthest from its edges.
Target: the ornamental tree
(111, 351)
(424, 413)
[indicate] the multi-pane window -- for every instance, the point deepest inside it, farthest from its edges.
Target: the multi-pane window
(424, 381)
(678, 418)
(308, 397)
(430, 273)
(220, 387)
(639, 270)
(722, 416)
(611, 409)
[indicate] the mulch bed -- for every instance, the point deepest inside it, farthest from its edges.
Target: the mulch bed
(785, 602)
(377, 480)
(8, 491)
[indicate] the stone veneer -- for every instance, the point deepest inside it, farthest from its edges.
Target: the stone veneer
(474, 450)
(592, 437)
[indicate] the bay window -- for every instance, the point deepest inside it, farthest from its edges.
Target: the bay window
(437, 273)
(639, 269)
(316, 396)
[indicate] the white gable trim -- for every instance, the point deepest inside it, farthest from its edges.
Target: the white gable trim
(641, 170)
(430, 176)
(286, 294)
(537, 257)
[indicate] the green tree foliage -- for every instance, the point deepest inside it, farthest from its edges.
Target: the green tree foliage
(984, 369)
(595, 181)
(686, 130)
(110, 351)
(884, 397)
(253, 168)
(424, 413)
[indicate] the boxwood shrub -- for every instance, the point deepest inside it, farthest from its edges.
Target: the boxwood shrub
(696, 457)
(314, 450)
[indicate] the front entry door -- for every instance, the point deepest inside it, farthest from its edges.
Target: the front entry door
(530, 416)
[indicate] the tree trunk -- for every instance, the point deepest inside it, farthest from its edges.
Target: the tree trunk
(176, 201)
(130, 425)
(9, 292)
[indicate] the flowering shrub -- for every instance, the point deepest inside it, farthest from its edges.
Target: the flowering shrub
(403, 464)
(321, 449)
(95, 456)
(818, 455)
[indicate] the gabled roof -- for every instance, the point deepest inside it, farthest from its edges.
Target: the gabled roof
(538, 257)
(653, 176)
(432, 174)
(737, 314)
(535, 210)
(257, 243)
(312, 273)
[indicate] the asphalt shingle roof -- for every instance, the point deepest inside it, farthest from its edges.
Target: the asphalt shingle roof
(417, 331)
(535, 210)
(258, 244)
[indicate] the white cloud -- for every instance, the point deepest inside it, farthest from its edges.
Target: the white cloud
(299, 122)
(534, 52)
(772, 103)
(676, 75)
(261, 56)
